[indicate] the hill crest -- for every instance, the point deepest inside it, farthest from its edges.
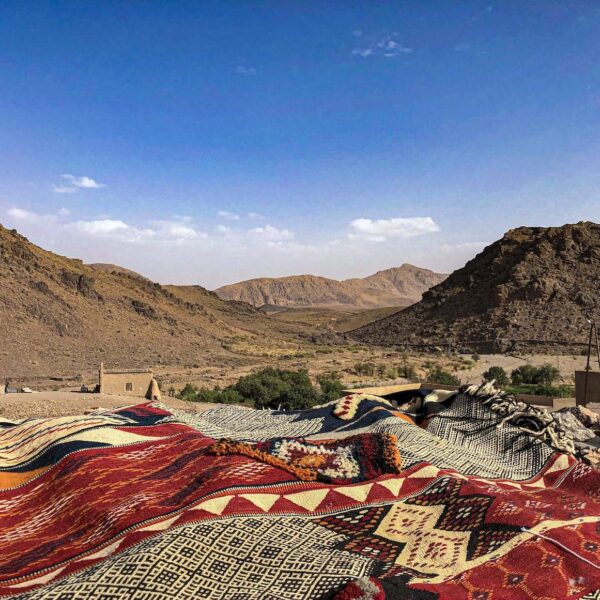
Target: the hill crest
(534, 287)
(398, 286)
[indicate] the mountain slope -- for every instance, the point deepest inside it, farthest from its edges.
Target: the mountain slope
(399, 286)
(535, 287)
(59, 316)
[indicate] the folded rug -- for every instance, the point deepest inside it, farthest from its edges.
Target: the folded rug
(351, 460)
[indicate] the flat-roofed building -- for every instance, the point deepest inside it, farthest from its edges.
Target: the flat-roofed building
(128, 382)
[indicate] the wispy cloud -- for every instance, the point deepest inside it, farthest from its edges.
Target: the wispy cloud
(242, 70)
(228, 216)
(29, 216)
(175, 229)
(386, 45)
(21, 214)
(73, 184)
(111, 228)
(381, 230)
(270, 233)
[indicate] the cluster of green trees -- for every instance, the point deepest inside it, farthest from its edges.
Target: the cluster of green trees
(525, 374)
(271, 388)
(530, 380)
(438, 375)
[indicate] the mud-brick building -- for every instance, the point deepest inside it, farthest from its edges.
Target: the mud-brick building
(128, 382)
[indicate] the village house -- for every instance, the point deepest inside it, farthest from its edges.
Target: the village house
(128, 382)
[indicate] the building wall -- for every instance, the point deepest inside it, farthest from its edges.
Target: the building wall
(116, 384)
(593, 387)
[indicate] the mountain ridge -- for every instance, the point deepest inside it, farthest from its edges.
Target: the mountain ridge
(397, 286)
(535, 287)
(59, 315)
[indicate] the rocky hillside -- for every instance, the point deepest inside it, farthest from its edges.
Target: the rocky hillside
(534, 288)
(60, 317)
(399, 286)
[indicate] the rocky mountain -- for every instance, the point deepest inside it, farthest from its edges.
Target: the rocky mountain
(399, 286)
(107, 267)
(533, 289)
(59, 316)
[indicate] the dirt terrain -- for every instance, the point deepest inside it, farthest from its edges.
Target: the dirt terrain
(534, 289)
(340, 320)
(70, 402)
(60, 318)
(343, 361)
(399, 286)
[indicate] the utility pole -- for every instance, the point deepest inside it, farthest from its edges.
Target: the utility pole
(588, 368)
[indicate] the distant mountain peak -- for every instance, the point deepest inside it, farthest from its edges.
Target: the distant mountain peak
(397, 286)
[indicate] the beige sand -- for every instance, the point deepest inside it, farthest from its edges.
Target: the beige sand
(55, 404)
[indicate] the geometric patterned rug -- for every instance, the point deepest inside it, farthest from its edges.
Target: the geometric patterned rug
(132, 504)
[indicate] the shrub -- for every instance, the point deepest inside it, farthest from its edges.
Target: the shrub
(498, 374)
(331, 388)
(188, 392)
(438, 375)
(556, 391)
(407, 371)
(219, 396)
(524, 374)
(273, 388)
(365, 368)
(546, 374)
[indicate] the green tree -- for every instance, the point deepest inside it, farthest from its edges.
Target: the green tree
(273, 388)
(331, 388)
(524, 374)
(438, 375)
(547, 374)
(188, 392)
(498, 374)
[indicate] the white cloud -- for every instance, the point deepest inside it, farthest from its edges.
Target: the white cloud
(76, 183)
(21, 214)
(381, 230)
(64, 212)
(364, 52)
(254, 215)
(229, 216)
(270, 233)
(241, 70)
(111, 228)
(64, 189)
(381, 45)
(178, 230)
(29, 216)
(182, 232)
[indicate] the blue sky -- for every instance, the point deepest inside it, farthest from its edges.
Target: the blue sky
(207, 142)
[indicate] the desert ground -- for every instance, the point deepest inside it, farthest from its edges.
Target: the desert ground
(60, 398)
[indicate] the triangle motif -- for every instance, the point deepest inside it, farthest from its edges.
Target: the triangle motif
(358, 493)
(426, 472)
(262, 501)
(308, 500)
(393, 485)
(216, 506)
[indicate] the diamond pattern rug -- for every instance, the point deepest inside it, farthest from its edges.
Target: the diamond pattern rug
(346, 501)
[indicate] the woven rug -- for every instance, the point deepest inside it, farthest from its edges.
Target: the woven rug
(353, 499)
